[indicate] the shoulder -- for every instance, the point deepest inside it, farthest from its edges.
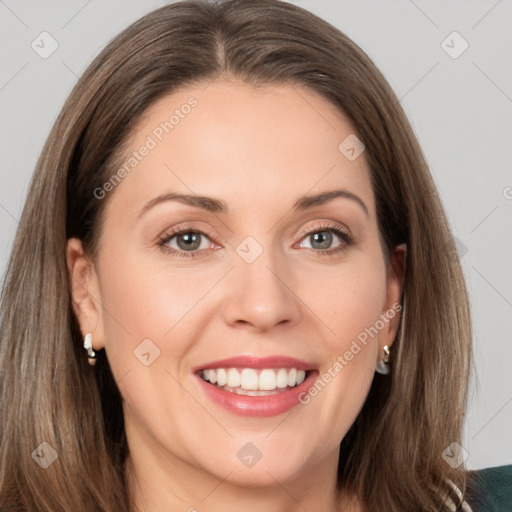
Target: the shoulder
(490, 489)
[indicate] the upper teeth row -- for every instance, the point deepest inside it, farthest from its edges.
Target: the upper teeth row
(248, 378)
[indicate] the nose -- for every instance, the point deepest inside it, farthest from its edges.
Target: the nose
(261, 295)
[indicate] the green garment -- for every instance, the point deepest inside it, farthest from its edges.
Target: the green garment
(490, 489)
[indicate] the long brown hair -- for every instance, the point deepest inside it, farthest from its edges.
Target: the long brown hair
(391, 457)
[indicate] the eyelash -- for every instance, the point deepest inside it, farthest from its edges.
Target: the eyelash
(343, 235)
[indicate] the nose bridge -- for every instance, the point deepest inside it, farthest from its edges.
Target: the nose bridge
(260, 287)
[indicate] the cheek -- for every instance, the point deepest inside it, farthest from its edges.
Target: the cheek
(352, 301)
(144, 312)
(149, 301)
(350, 307)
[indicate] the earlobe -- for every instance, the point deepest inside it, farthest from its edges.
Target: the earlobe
(84, 288)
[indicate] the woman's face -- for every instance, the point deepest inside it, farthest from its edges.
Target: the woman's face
(272, 268)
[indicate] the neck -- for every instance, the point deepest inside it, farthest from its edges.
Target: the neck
(168, 485)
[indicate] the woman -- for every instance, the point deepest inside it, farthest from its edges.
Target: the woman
(192, 347)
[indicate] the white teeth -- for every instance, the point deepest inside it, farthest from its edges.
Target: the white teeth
(282, 378)
(292, 377)
(268, 380)
(250, 381)
(222, 377)
(233, 378)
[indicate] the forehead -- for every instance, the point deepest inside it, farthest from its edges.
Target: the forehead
(247, 144)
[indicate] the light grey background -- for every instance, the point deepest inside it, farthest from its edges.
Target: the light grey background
(460, 109)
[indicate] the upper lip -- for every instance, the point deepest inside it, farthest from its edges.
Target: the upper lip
(278, 361)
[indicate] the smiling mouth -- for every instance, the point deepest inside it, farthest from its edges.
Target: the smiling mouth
(254, 382)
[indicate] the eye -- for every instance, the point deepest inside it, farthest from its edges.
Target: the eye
(185, 242)
(321, 238)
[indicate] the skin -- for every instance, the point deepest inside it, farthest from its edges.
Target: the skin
(258, 150)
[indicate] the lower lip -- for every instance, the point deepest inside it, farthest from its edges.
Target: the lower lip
(262, 406)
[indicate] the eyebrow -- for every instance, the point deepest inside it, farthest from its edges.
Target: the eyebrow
(213, 205)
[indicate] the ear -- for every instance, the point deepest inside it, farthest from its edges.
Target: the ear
(391, 312)
(85, 292)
